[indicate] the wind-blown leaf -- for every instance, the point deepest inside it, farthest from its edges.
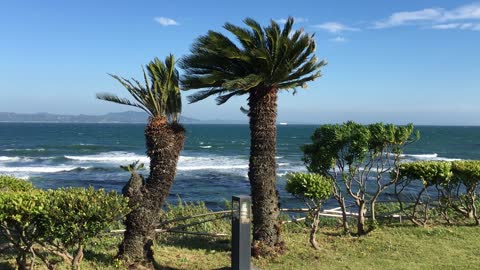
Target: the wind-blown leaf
(268, 57)
(159, 95)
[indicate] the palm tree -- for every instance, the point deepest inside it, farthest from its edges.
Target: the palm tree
(262, 62)
(160, 98)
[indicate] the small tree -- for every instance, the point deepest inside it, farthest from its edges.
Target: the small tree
(430, 174)
(467, 172)
(356, 154)
(314, 190)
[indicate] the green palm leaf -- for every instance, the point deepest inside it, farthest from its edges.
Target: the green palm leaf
(268, 57)
(159, 95)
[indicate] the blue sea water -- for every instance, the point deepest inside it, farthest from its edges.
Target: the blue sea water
(213, 165)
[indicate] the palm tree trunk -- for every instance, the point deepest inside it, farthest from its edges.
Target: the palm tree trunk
(164, 143)
(262, 168)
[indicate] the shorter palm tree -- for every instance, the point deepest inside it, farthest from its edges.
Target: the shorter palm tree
(165, 136)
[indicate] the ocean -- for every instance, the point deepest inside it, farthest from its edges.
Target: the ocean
(213, 165)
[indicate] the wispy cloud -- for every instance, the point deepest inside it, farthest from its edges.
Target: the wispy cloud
(296, 19)
(338, 39)
(406, 17)
(446, 26)
(334, 27)
(466, 12)
(166, 21)
(460, 26)
(439, 17)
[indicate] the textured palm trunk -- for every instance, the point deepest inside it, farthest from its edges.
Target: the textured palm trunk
(164, 142)
(262, 169)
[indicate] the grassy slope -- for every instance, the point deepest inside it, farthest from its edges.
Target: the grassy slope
(402, 247)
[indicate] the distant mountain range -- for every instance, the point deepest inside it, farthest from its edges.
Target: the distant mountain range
(122, 117)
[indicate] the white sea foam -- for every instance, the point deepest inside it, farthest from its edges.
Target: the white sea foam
(236, 164)
(111, 157)
(421, 156)
(4, 158)
(211, 167)
(433, 157)
(25, 149)
(206, 146)
(43, 169)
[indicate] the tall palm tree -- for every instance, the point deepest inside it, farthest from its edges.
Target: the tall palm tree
(262, 62)
(160, 98)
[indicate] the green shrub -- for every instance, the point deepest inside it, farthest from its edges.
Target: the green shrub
(313, 189)
(429, 172)
(309, 185)
(14, 184)
(21, 216)
(219, 224)
(55, 222)
(78, 214)
(467, 172)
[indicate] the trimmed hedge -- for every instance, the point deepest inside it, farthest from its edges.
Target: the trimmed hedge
(456, 184)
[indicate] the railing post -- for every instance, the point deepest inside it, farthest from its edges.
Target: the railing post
(241, 231)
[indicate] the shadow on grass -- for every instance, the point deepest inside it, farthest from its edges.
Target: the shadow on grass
(196, 242)
(6, 266)
(157, 266)
(98, 257)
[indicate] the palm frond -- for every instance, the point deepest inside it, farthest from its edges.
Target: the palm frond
(158, 95)
(119, 100)
(264, 57)
(224, 98)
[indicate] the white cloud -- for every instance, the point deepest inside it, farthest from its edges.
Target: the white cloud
(439, 17)
(296, 19)
(401, 18)
(165, 21)
(460, 26)
(446, 26)
(466, 12)
(334, 27)
(339, 39)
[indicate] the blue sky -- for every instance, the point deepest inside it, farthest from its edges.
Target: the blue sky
(392, 61)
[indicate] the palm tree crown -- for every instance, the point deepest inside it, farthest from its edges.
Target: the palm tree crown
(160, 97)
(265, 58)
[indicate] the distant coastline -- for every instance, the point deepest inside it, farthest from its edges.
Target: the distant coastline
(128, 117)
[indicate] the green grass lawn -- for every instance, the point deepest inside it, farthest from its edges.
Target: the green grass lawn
(392, 247)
